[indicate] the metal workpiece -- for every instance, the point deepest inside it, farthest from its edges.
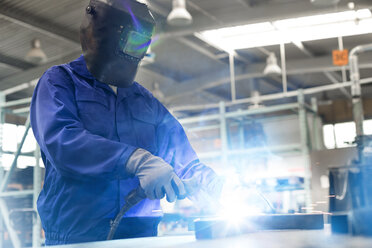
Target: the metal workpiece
(212, 228)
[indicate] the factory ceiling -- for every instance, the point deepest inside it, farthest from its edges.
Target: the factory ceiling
(186, 68)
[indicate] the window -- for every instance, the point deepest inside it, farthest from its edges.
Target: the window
(367, 125)
(343, 134)
(329, 136)
(12, 136)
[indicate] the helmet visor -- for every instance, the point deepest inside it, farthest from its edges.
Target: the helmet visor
(136, 45)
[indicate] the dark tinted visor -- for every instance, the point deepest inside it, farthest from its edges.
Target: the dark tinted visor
(137, 45)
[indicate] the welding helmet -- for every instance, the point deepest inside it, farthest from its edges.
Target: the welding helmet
(115, 36)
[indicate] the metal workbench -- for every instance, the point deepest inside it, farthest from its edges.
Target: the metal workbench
(266, 239)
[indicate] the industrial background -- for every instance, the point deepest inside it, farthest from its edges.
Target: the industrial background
(260, 104)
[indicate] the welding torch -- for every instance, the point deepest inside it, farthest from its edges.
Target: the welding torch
(132, 199)
(137, 195)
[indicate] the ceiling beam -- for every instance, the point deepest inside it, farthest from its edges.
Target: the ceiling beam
(294, 67)
(41, 25)
(14, 62)
(144, 75)
(34, 73)
(329, 74)
(199, 49)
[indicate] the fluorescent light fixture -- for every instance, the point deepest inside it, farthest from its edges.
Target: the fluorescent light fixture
(324, 2)
(317, 27)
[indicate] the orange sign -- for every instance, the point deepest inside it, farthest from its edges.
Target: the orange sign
(341, 57)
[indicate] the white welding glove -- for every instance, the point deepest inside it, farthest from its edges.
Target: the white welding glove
(157, 178)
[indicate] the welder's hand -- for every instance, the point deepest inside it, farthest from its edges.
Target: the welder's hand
(205, 191)
(156, 177)
(192, 185)
(211, 184)
(214, 186)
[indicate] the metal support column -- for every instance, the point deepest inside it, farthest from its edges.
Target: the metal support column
(232, 77)
(305, 148)
(356, 92)
(284, 68)
(36, 228)
(317, 127)
(223, 131)
(2, 121)
(12, 233)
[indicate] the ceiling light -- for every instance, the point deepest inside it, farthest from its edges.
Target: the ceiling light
(324, 2)
(179, 16)
(317, 27)
(36, 55)
(351, 5)
(272, 67)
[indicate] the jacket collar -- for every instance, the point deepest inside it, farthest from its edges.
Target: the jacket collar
(79, 67)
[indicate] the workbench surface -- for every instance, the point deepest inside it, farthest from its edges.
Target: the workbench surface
(267, 239)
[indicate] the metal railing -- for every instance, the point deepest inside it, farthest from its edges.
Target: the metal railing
(4, 180)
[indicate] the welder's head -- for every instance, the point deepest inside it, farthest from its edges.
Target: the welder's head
(115, 36)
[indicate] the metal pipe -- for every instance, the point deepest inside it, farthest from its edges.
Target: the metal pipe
(24, 110)
(276, 96)
(17, 102)
(273, 149)
(5, 181)
(341, 48)
(20, 87)
(36, 228)
(262, 110)
(16, 193)
(239, 113)
(223, 132)
(2, 121)
(284, 68)
(356, 89)
(202, 128)
(232, 77)
(199, 119)
(12, 233)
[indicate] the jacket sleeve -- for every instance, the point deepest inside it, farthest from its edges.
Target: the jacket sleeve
(72, 150)
(175, 148)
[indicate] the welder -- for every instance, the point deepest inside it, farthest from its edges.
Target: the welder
(102, 135)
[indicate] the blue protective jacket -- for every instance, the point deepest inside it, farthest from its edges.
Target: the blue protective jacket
(86, 134)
